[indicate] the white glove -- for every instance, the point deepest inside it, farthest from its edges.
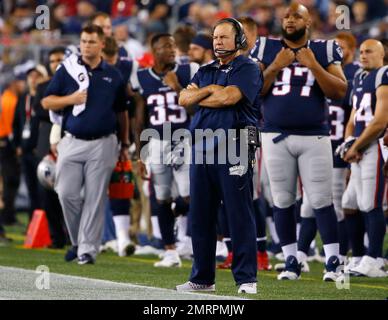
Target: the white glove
(345, 146)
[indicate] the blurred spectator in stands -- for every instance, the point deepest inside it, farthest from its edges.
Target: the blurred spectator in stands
(85, 10)
(50, 200)
(133, 46)
(123, 8)
(154, 15)
(208, 17)
(103, 20)
(360, 12)
(264, 16)
(9, 154)
(58, 17)
(26, 134)
(193, 16)
(183, 36)
(22, 17)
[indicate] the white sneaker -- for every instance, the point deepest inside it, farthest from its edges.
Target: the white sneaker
(170, 259)
(147, 250)
(221, 249)
(369, 267)
(250, 288)
(288, 275)
(352, 263)
(190, 287)
(332, 276)
(185, 248)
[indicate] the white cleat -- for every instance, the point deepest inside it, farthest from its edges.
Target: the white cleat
(288, 275)
(250, 288)
(193, 287)
(352, 263)
(369, 267)
(171, 259)
(331, 276)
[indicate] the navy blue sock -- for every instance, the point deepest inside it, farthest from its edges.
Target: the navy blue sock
(343, 238)
(355, 227)
(166, 223)
(308, 231)
(298, 206)
(260, 226)
(376, 232)
(181, 206)
(285, 224)
(327, 222)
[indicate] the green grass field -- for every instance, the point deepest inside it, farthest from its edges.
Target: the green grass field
(140, 270)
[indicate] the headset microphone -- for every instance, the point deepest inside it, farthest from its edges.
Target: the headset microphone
(224, 52)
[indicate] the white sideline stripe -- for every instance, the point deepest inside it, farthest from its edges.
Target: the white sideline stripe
(128, 285)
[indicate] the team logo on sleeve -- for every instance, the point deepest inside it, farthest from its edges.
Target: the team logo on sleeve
(339, 51)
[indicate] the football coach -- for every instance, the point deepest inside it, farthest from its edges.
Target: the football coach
(227, 92)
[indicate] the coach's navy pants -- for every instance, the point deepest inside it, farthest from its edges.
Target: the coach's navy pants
(209, 184)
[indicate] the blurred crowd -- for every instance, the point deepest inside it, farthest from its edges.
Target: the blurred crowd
(134, 21)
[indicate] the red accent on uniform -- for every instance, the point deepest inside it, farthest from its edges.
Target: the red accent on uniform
(377, 174)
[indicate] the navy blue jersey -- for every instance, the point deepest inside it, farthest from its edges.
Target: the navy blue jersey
(364, 96)
(339, 113)
(295, 104)
(161, 101)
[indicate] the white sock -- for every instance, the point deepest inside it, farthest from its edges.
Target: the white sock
(331, 249)
(290, 250)
(272, 230)
(122, 223)
(297, 231)
(301, 256)
(182, 227)
(155, 227)
(366, 240)
(342, 258)
(313, 244)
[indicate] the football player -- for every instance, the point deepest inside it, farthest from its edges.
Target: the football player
(159, 87)
(298, 76)
(370, 117)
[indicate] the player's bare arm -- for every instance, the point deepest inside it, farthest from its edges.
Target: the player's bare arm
(123, 134)
(172, 81)
(332, 80)
(193, 95)
(139, 126)
(225, 97)
(283, 59)
(56, 103)
(374, 128)
(349, 131)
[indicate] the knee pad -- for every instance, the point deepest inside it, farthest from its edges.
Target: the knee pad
(283, 199)
(319, 200)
